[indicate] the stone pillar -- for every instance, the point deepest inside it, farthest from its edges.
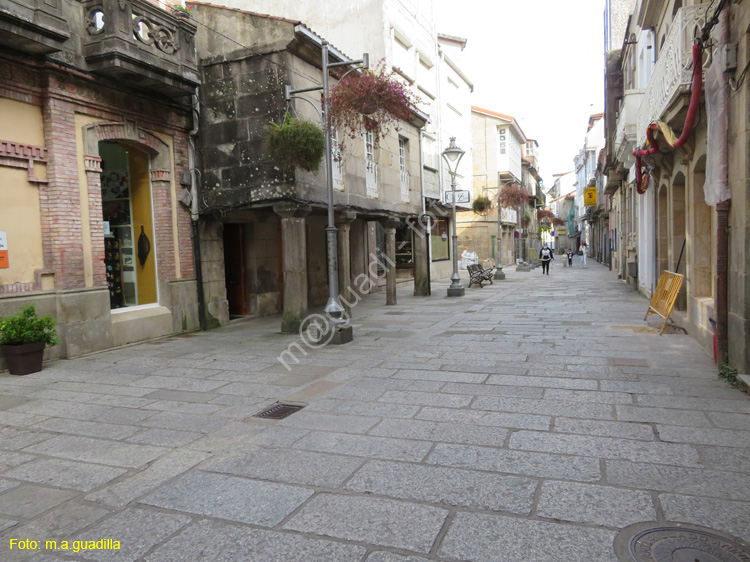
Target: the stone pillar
(420, 257)
(344, 223)
(390, 260)
(294, 252)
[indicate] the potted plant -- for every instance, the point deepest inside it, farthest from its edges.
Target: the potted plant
(23, 338)
(295, 143)
(481, 205)
(180, 11)
(372, 101)
(526, 219)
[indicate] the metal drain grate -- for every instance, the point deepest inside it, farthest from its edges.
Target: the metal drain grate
(678, 542)
(278, 411)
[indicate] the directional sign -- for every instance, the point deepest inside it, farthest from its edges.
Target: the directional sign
(462, 196)
(589, 197)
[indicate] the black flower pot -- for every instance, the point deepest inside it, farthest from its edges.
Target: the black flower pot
(24, 359)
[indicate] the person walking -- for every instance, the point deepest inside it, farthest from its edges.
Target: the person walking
(545, 254)
(584, 255)
(570, 258)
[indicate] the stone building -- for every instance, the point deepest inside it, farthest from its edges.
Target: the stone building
(95, 99)
(692, 217)
(264, 237)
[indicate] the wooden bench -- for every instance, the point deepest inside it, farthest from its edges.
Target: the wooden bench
(478, 275)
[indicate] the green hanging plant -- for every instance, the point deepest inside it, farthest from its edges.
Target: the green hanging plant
(481, 205)
(295, 143)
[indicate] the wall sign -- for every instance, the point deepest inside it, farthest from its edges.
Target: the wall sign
(589, 197)
(4, 250)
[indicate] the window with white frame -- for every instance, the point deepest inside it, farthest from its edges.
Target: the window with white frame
(371, 169)
(403, 172)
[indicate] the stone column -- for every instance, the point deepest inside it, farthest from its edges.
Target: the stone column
(420, 256)
(294, 252)
(344, 223)
(390, 260)
(93, 167)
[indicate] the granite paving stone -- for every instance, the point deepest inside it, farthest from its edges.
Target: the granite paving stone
(10, 459)
(59, 523)
(12, 439)
(372, 520)
(329, 422)
(587, 396)
(425, 399)
(704, 436)
(364, 446)
(635, 387)
(723, 515)
(229, 497)
(447, 486)
(483, 418)
(382, 556)
(62, 409)
(493, 390)
(624, 430)
(137, 530)
(7, 485)
(594, 504)
(282, 465)
(9, 401)
(19, 419)
(605, 447)
(686, 481)
(480, 538)
(129, 489)
(211, 541)
(87, 449)
(440, 432)
(28, 500)
(738, 406)
(6, 524)
(543, 382)
(688, 418)
(544, 407)
(538, 465)
(376, 409)
(201, 423)
(164, 437)
(428, 375)
(65, 474)
(87, 428)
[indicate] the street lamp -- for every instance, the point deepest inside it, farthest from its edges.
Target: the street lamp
(452, 156)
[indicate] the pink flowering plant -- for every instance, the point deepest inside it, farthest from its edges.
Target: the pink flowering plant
(512, 195)
(371, 100)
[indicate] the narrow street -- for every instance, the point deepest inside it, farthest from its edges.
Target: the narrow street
(528, 421)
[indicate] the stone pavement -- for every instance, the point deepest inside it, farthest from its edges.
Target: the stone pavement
(528, 421)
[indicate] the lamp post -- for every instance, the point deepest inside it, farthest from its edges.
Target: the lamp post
(337, 332)
(452, 156)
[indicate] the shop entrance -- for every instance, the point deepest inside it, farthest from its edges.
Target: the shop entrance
(234, 269)
(128, 225)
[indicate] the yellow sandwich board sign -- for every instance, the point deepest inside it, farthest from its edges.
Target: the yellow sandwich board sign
(589, 197)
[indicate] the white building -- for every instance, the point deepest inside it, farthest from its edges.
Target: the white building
(585, 165)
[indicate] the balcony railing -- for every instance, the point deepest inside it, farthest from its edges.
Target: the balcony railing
(137, 41)
(509, 215)
(673, 70)
(626, 131)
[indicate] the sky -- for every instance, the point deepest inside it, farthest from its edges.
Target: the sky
(540, 61)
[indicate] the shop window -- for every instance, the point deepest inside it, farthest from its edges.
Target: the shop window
(128, 226)
(440, 240)
(404, 246)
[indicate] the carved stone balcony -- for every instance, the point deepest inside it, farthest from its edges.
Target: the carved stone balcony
(673, 72)
(141, 44)
(626, 132)
(35, 27)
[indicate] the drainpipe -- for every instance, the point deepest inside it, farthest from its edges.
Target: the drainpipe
(428, 226)
(722, 222)
(194, 214)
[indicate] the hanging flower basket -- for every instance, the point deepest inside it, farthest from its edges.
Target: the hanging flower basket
(512, 196)
(481, 206)
(526, 220)
(372, 101)
(544, 215)
(557, 221)
(295, 143)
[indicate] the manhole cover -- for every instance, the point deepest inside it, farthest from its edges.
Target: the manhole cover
(678, 542)
(278, 411)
